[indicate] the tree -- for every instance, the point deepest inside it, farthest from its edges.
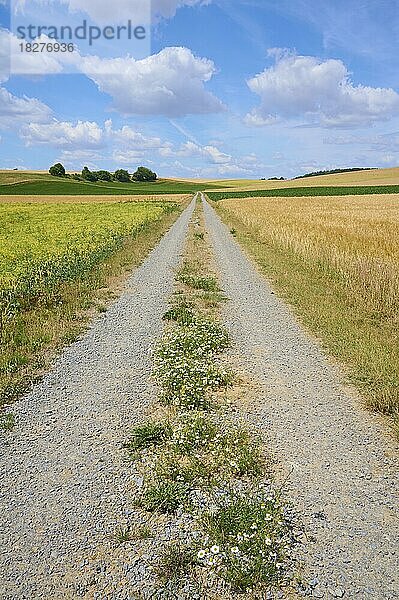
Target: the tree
(87, 175)
(144, 174)
(122, 175)
(57, 170)
(103, 175)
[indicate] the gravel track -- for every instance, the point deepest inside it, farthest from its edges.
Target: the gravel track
(64, 486)
(342, 466)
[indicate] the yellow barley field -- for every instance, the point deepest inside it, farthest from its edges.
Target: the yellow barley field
(356, 237)
(364, 178)
(351, 244)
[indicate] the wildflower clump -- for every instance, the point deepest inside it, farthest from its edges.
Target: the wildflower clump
(247, 539)
(200, 453)
(184, 367)
(194, 451)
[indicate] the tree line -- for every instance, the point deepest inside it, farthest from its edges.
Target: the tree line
(120, 175)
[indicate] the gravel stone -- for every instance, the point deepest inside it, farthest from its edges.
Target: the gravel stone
(340, 463)
(65, 484)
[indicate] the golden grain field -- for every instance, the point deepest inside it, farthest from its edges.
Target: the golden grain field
(366, 178)
(349, 248)
(356, 237)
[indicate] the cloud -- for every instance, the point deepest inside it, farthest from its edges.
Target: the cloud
(233, 170)
(16, 111)
(127, 157)
(77, 157)
(386, 141)
(210, 153)
(255, 119)
(61, 134)
(170, 83)
(15, 62)
(168, 8)
(90, 143)
(106, 12)
(126, 136)
(318, 92)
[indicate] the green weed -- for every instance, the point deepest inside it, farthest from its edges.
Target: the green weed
(147, 435)
(164, 496)
(182, 312)
(175, 562)
(142, 532)
(209, 284)
(123, 535)
(7, 422)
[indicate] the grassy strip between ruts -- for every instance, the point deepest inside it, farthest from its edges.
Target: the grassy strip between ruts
(198, 461)
(32, 336)
(336, 264)
(307, 191)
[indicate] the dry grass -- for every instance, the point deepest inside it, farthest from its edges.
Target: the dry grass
(337, 260)
(177, 198)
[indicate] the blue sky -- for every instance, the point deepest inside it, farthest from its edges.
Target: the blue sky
(230, 88)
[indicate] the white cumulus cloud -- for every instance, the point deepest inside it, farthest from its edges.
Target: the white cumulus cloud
(168, 8)
(127, 136)
(320, 92)
(170, 83)
(62, 134)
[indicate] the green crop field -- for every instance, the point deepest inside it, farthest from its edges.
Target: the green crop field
(307, 191)
(50, 259)
(43, 244)
(51, 186)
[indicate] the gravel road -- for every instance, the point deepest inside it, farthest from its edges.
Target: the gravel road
(64, 486)
(344, 477)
